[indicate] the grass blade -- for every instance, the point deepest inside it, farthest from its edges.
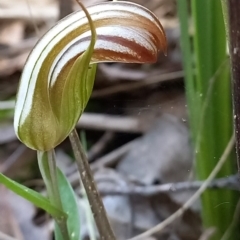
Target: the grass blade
(70, 206)
(32, 196)
(211, 123)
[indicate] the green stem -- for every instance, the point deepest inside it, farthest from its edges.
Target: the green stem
(53, 174)
(98, 210)
(209, 100)
(225, 17)
(48, 169)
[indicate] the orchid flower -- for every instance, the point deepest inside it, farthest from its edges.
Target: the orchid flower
(58, 77)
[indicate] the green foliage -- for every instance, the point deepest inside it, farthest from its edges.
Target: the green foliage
(70, 206)
(208, 91)
(32, 196)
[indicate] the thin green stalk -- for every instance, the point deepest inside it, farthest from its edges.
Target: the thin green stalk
(53, 174)
(48, 169)
(94, 198)
(225, 17)
(187, 58)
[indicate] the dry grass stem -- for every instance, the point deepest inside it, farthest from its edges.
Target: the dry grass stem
(179, 212)
(4, 236)
(96, 204)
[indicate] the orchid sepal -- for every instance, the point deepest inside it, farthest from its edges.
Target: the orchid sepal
(50, 99)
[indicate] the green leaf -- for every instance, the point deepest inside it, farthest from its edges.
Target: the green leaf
(32, 196)
(209, 102)
(70, 206)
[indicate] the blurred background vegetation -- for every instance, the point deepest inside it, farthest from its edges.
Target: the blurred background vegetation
(208, 90)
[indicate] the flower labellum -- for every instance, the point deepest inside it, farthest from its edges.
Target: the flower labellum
(58, 77)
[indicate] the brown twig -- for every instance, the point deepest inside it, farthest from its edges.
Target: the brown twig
(93, 121)
(234, 42)
(106, 161)
(230, 183)
(100, 145)
(19, 12)
(99, 213)
(196, 195)
(207, 234)
(135, 85)
(149, 191)
(106, 122)
(9, 162)
(112, 157)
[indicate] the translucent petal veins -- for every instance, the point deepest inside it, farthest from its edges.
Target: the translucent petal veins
(126, 32)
